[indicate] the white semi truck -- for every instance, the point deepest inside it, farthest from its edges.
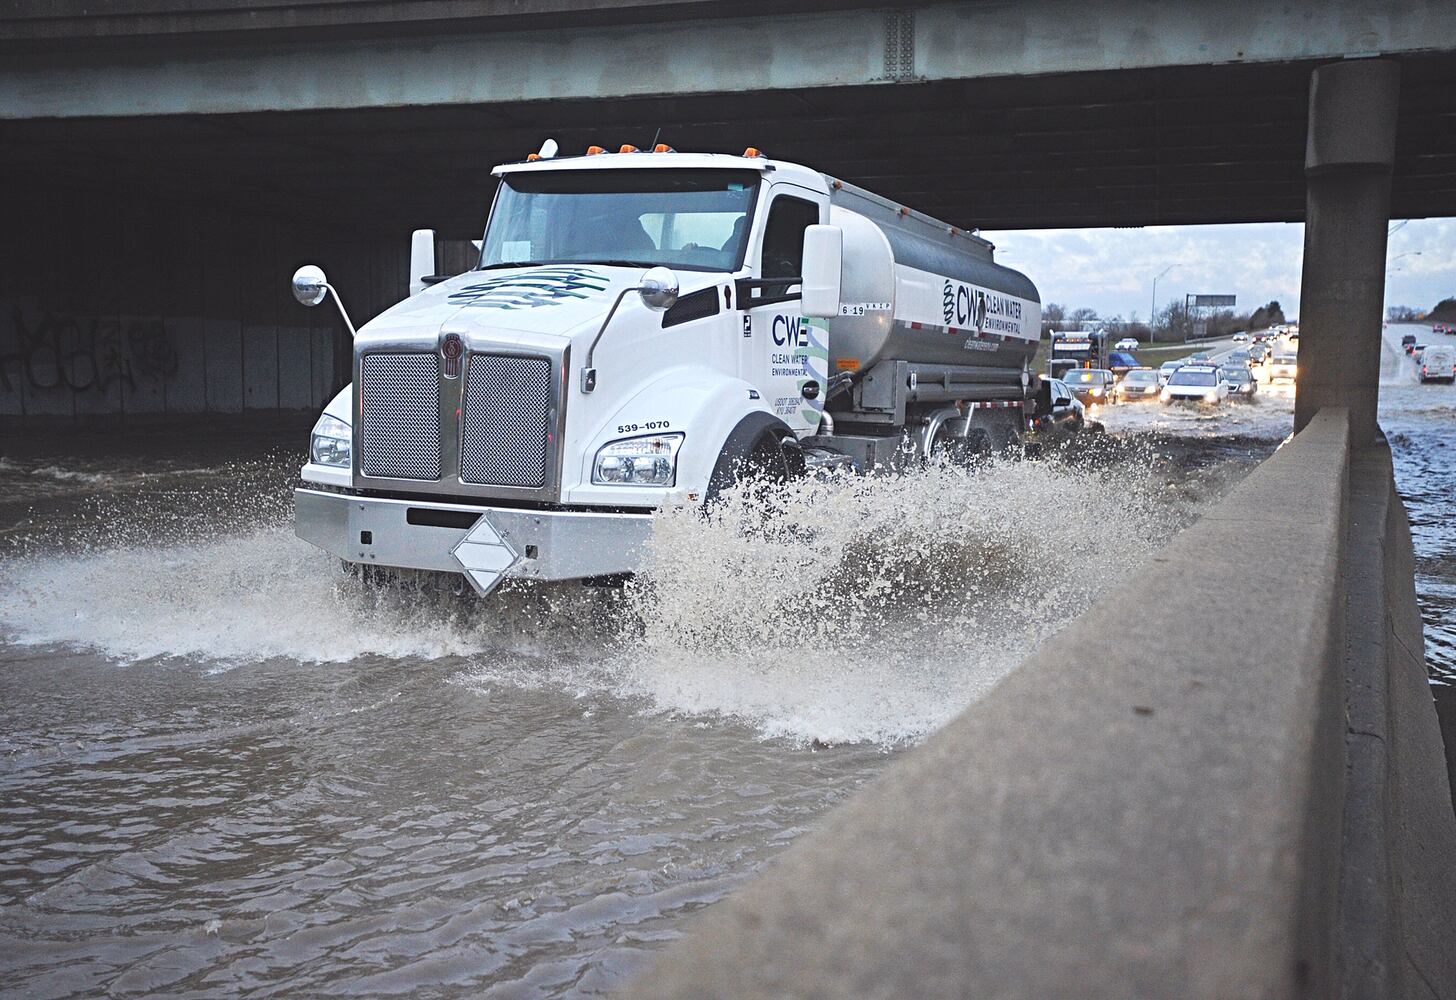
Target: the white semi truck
(644, 329)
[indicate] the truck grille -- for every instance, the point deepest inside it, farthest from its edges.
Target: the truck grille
(399, 416)
(507, 421)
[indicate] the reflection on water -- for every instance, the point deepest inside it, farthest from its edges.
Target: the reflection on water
(225, 768)
(1420, 423)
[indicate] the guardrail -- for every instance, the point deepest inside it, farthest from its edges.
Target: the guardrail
(1164, 800)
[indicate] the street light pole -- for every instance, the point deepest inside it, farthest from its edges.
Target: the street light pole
(1153, 313)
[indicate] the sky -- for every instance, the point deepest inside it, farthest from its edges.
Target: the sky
(1112, 270)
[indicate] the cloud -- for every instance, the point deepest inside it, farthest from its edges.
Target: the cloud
(1112, 270)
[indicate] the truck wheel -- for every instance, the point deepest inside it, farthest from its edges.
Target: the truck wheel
(760, 449)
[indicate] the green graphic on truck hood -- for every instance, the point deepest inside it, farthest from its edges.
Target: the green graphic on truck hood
(544, 286)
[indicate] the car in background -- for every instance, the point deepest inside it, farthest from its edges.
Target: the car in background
(1409, 342)
(1126, 344)
(1090, 385)
(1167, 368)
(1195, 384)
(1284, 366)
(1240, 381)
(1258, 353)
(1418, 353)
(1241, 337)
(1138, 385)
(1439, 364)
(1060, 409)
(1240, 357)
(1293, 337)
(1197, 356)
(1121, 362)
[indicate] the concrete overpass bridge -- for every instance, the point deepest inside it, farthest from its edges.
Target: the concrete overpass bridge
(1205, 827)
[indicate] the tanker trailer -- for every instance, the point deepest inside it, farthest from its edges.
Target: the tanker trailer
(932, 341)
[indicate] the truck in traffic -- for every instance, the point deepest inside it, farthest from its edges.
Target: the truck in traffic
(1076, 349)
(643, 330)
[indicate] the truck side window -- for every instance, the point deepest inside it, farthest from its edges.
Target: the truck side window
(783, 236)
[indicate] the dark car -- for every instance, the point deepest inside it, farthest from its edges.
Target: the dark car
(1240, 381)
(1243, 356)
(1408, 342)
(1258, 354)
(1057, 408)
(1091, 385)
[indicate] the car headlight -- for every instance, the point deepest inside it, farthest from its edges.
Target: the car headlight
(331, 442)
(1097, 390)
(639, 461)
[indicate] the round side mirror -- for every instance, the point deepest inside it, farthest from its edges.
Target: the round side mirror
(309, 284)
(659, 288)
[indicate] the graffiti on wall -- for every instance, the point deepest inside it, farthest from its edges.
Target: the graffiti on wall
(85, 354)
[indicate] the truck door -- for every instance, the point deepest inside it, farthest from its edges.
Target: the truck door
(782, 351)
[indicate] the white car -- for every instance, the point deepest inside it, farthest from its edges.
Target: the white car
(1241, 336)
(1438, 364)
(1197, 384)
(1126, 344)
(1284, 367)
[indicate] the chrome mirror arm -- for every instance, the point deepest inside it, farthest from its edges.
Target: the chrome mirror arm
(353, 334)
(659, 289)
(589, 373)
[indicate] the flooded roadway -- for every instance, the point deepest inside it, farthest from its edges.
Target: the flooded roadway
(224, 769)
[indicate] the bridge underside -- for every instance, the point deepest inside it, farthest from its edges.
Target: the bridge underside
(1172, 145)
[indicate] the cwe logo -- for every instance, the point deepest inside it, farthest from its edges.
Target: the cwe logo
(963, 306)
(789, 331)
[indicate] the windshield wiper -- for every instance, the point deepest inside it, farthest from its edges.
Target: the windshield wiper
(515, 263)
(621, 263)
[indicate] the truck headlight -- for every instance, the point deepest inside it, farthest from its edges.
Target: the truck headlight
(639, 461)
(331, 442)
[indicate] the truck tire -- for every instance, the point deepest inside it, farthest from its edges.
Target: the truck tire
(762, 448)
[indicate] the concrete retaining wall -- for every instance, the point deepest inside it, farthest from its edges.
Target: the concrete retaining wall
(1161, 801)
(111, 306)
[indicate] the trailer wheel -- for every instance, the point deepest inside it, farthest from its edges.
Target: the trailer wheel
(976, 445)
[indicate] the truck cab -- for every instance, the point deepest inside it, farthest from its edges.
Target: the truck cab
(640, 330)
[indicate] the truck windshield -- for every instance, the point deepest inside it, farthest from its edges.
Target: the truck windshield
(691, 219)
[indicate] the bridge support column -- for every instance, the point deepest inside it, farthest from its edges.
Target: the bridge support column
(1348, 158)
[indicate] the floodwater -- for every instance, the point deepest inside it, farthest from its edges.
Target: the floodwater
(226, 769)
(1420, 424)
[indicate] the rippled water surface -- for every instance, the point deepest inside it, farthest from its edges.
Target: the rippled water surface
(1420, 423)
(227, 770)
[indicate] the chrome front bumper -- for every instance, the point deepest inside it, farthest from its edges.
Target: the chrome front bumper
(486, 544)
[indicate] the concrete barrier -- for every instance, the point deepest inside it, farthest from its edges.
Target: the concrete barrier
(1166, 799)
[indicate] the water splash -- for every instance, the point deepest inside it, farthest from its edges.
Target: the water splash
(843, 609)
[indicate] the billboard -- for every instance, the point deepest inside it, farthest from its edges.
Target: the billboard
(1213, 301)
